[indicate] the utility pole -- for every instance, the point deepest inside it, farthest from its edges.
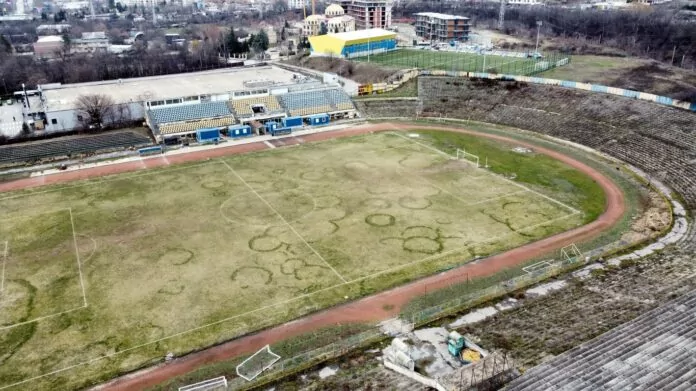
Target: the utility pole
(536, 48)
(674, 51)
(501, 15)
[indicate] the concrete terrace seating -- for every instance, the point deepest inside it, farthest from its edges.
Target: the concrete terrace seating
(31, 151)
(656, 351)
(306, 103)
(191, 126)
(242, 107)
(189, 112)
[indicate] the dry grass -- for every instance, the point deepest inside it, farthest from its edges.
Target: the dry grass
(223, 243)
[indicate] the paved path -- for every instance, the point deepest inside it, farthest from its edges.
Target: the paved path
(368, 309)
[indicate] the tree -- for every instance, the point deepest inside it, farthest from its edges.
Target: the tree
(120, 7)
(323, 29)
(286, 25)
(233, 45)
(259, 42)
(283, 37)
(59, 16)
(112, 4)
(95, 109)
(44, 16)
(67, 42)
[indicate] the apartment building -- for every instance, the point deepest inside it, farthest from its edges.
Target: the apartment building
(433, 26)
(369, 14)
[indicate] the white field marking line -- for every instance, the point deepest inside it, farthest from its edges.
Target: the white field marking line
(500, 65)
(264, 308)
(459, 198)
(284, 221)
(54, 211)
(492, 174)
(4, 260)
(40, 318)
(103, 179)
(269, 145)
(77, 255)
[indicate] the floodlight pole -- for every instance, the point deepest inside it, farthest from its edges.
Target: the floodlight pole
(536, 48)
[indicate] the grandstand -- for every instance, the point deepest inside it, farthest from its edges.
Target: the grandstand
(189, 112)
(262, 107)
(330, 101)
(655, 351)
(70, 146)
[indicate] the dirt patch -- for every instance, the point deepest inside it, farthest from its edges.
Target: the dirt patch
(654, 220)
(359, 72)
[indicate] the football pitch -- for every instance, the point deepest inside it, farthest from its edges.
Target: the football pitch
(111, 274)
(457, 61)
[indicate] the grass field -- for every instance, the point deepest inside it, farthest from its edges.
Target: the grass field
(111, 274)
(454, 61)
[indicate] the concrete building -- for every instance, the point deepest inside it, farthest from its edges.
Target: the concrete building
(48, 46)
(334, 18)
(369, 14)
(353, 44)
(52, 29)
(91, 42)
(433, 26)
(299, 4)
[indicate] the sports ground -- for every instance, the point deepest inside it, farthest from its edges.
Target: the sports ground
(117, 271)
(457, 61)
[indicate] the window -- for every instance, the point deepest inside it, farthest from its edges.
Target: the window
(54, 121)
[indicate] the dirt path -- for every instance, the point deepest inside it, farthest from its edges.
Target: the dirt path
(371, 308)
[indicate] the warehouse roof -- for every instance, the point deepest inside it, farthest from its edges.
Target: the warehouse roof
(438, 15)
(62, 97)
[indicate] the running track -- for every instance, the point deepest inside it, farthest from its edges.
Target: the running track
(368, 309)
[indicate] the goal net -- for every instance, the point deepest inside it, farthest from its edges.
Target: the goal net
(218, 383)
(257, 363)
(470, 157)
(571, 254)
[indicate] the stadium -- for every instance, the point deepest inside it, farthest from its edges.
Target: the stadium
(265, 209)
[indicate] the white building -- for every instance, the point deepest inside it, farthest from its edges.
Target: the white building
(90, 42)
(334, 18)
(299, 4)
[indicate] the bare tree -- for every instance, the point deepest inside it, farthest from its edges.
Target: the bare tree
(94, 110)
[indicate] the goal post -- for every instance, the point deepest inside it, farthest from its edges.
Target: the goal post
(257, 363)
(218, 383)
(463, 154)
(571, 254)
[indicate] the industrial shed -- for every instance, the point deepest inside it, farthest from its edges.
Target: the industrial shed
(353, 44)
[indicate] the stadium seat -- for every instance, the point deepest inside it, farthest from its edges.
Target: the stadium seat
(242, 107)
(189, 112)
(191, 126)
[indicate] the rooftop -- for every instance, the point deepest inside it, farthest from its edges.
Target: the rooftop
(50, 38)
(656, 351)
(363, 34)
(438, 15)
(62, 97)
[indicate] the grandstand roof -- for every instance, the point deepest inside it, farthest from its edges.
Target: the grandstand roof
(63, 97)
(656, 351)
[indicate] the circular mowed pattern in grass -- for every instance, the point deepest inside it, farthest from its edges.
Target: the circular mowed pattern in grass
(380, 220)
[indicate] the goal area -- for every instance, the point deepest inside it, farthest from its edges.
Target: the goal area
(253, 366)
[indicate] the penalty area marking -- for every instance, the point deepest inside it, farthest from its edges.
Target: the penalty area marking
(490, 173)
(77, 255)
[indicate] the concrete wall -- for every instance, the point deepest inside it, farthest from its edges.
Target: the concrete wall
(66, 120)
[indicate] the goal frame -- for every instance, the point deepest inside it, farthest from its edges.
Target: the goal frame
(462, 153)
(266, 349)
